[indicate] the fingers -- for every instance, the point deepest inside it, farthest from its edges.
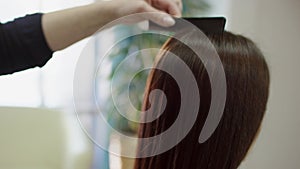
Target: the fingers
(173, 7)
(179, 4)
(146, 12)
(149, 2)
(158, 17)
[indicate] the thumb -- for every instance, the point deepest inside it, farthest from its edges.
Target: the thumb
(158, 17)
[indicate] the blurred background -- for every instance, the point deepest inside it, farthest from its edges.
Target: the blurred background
(38, 123)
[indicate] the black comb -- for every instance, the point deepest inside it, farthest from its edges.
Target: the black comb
(208, 25)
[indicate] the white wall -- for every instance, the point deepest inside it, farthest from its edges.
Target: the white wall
(52, 85)
(275, 26)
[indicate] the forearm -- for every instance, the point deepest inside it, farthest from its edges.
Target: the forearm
(63, 28)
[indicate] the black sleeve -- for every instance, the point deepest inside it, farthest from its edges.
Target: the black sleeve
(23, 45)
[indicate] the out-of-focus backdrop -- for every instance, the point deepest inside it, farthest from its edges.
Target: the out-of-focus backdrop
(37, 119)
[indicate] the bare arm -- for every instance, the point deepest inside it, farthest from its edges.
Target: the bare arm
(63, 28)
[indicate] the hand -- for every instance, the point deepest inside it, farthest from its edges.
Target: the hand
(172, 7)
(123, 8)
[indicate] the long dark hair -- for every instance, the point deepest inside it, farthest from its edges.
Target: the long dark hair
(247, 78)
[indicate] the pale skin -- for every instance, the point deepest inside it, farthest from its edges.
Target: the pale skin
(66, 27)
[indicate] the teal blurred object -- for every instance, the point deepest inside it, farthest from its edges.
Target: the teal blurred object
(195, 8)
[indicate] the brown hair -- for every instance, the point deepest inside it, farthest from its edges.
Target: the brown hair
(247, 78)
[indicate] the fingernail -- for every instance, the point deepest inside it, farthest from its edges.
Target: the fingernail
(169, 21)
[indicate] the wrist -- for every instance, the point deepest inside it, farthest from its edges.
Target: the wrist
(101, 13)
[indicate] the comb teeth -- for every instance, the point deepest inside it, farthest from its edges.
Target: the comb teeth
(208, 25)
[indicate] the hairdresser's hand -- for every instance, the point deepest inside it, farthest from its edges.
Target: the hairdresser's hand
(172, 7)
(65, 27)
(125, 7)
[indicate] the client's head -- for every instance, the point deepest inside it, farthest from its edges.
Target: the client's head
(247, 80)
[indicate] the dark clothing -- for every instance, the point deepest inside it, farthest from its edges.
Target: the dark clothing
(23, 45)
